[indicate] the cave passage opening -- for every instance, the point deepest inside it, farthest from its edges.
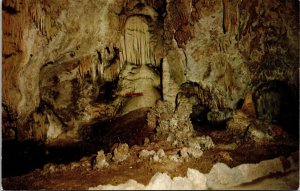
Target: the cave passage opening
(275, 103)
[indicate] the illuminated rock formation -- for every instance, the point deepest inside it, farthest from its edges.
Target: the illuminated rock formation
(83, 61)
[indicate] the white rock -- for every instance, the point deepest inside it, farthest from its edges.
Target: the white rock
(222, 176)
(197, 178)
(145, 153)
(129, 185)
(206, 141)
(101, 160)
(173, 123)
(258, 135)
(174, 158)
(156, 158)
(161, 153)
(54, 128)
(184, 152)
(121, 152)
(196, 153)
(160, 181)
(180, 183)
(194, 143)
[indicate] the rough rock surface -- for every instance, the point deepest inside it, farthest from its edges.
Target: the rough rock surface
(100, 160)
(121, 153)
(247, 127)
(220, 177)
(177, 129)
(161, 181)
(85, 163)
(70, 63)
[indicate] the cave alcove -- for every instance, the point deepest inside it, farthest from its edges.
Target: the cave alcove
(275, 102)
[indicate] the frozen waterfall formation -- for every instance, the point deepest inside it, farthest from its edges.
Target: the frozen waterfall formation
(138, 79)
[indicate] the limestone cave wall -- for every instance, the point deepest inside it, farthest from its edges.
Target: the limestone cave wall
(68, 63)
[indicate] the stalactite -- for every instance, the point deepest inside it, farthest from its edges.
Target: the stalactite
(238, 21)
(101, 71)
(42, 25)
(39, 17)
(20, 33)
(16, 5)
(93, 72)
(83, 68)
(48, 27)
(225, 16)
(136, 43)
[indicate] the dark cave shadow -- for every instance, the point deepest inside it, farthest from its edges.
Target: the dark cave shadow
(22, 157)
(19, 158)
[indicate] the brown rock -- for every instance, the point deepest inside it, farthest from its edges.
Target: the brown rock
(248, 106)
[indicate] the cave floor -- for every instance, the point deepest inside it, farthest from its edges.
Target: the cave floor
(142, 171)
(228, 150)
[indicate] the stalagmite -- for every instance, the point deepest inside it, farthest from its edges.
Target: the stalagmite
(94, 72)
(165, 77)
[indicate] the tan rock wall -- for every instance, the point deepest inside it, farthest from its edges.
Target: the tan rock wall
(228, 47)
(231, 46)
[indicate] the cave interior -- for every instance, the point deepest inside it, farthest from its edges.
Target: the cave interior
(150, 94)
